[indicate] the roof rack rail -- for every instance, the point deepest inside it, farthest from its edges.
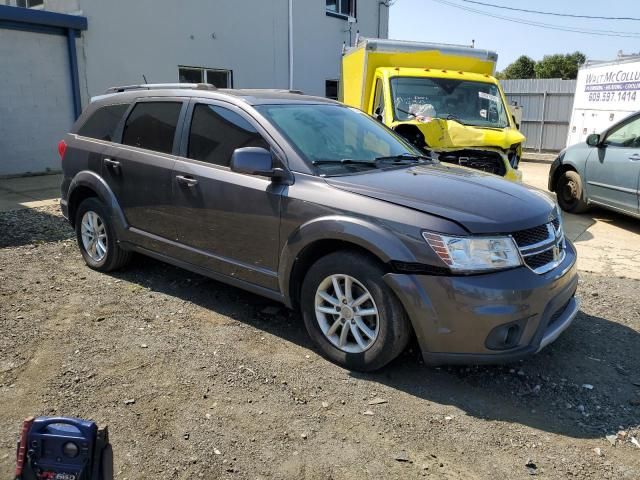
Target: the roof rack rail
(161, 86)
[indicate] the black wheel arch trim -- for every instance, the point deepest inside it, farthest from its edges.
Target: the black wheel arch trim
(362, 233)
(93, 181)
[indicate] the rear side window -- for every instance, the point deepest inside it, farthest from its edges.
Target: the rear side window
(103, 122)
(216, 132)
(152, 125)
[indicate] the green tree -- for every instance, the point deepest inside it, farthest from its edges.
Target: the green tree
(523, 67)
(560, 66)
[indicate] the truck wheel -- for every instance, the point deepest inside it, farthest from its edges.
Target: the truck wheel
(96, 238)
(351, 314)
(569, 192)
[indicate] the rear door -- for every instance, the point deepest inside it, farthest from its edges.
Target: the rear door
(613, 170)
(139, 169)
(226, 221)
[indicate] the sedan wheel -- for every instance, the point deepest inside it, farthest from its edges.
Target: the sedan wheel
(346, 313)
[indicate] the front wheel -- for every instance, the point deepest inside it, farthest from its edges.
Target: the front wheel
(353, 317)
(570, 193)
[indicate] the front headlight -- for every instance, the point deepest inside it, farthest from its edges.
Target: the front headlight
(474, 254)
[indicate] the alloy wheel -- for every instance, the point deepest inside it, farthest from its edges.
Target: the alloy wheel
(94, 235)
(346, 313)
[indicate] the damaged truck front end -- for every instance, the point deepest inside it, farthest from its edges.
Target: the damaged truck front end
(492, 151)
(458, 117)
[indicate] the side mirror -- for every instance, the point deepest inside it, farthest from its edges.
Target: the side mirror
(593, 140)
(255, 161)
(513, 117)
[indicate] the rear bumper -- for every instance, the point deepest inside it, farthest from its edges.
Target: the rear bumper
(468, 320)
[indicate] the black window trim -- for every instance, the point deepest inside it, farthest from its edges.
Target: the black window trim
(117, 135)
(343, 16)
(183, 150)
(229, 72)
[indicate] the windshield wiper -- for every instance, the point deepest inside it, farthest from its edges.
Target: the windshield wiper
(344, 161)
(406, 112)
(453, 117)
(404, 158)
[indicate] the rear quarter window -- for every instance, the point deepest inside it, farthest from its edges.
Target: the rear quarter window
(103, 122)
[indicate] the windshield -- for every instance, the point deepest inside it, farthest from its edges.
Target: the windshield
(338, 140)
(470, 103)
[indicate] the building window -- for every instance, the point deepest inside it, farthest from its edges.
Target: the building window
(30, 3)
(217, 77)
(331, 89)
(341, 8)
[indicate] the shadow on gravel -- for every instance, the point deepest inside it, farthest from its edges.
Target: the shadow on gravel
(585, 385)
(545, 392)
(28, 226)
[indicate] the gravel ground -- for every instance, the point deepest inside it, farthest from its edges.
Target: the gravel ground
(200, 380)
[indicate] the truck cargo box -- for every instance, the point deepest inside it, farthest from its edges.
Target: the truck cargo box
(360, 62)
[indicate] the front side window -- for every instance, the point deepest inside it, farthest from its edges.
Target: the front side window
(627, 135)
(103, 122)
(217, 131)
(152, 125)
(342, 7)
(217, 77)
(478, 104)
(338, 140)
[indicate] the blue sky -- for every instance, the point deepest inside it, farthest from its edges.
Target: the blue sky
(430, 21)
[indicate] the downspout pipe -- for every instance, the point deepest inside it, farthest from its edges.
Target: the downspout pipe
(290, 44)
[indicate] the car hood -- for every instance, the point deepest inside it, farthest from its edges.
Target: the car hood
(448, 134)
(480, 202)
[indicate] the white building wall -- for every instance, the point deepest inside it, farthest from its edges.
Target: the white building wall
(127, 39)
(36, 103)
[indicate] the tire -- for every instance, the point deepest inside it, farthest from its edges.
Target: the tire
(104, 255)
(390, 327)
(570, 192)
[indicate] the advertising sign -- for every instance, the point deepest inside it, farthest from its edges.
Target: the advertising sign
(609, 87)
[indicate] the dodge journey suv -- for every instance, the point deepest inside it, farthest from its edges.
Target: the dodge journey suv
(319, 206)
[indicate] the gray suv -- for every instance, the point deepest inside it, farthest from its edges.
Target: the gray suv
(318, 206)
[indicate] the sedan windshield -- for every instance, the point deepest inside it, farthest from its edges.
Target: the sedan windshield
(477, 104)
(339, 140)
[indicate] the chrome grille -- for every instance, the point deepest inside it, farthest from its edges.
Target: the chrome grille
(542, 247)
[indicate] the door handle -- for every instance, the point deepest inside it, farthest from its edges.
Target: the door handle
(188, 181)
(111, 163)
(635, 157)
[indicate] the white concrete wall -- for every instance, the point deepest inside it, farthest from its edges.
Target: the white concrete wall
(36, 106)
(127, 39)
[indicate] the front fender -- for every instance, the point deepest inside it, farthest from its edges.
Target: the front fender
(374, 238)
(96, 183)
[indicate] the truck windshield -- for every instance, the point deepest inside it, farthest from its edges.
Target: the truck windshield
(340, 140)
(477, 104)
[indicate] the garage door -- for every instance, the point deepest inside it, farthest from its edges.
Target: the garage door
(36, 100)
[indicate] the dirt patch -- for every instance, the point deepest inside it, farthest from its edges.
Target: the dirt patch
(200, 380)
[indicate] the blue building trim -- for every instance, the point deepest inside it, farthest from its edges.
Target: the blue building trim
(41, 21)
(42, 17)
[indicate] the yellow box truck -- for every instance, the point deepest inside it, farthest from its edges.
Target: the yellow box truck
(442, 98)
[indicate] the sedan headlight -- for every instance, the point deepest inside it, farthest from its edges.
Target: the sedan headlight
(474, 254)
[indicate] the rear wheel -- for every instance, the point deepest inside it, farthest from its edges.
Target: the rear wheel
(351, 314)
(569, 191)
(96, 237)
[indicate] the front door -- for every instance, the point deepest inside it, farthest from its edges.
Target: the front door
(613, 170)
(139, 170)
(226, 221)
